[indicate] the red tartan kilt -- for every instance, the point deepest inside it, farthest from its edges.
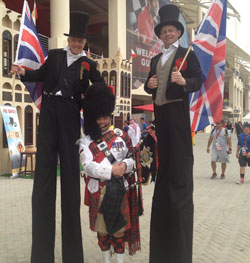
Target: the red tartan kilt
(86, 193)
(93, 201)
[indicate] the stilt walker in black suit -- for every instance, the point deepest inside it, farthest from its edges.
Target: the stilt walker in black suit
(66, 74)
(171, 232)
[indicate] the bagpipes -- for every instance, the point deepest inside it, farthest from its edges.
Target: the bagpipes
(146, 163)
(134, 178)
(145, 156)
(148, 156)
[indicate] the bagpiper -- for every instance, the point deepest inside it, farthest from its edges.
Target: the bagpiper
(110, 193)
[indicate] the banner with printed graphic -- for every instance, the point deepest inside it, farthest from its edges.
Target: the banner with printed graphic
(14, 137)
(142, 43)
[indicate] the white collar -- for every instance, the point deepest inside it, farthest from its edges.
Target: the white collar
(106, 130)
(69, 53)
(172, 46)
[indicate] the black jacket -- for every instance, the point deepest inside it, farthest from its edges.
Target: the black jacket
(192, 75)
(51, 72)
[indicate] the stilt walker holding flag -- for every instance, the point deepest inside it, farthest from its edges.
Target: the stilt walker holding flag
(66, 74)
(171, 232)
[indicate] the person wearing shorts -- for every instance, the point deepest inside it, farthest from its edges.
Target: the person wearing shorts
(243, 151)
(221, 148)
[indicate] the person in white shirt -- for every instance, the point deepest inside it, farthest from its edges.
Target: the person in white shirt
(220, 137)
(134, 132)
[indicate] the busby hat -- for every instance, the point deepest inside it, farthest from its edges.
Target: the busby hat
(78, 24)
(98, 101)
(169, 15)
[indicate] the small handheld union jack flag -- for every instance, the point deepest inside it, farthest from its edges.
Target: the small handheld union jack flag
(30, 52)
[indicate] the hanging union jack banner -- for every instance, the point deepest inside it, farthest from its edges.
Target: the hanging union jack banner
(210, 48)
(30, 52)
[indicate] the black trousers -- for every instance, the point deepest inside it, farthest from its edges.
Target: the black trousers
(59, 128)
(171, 231)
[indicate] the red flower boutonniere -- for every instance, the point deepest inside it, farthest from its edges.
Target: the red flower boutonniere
(84, 66)
(179, 62)
(112, 89)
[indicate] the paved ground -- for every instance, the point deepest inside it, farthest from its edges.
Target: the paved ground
(222, 217)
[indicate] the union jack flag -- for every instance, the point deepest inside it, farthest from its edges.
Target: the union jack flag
(210, 48)
(30, 52)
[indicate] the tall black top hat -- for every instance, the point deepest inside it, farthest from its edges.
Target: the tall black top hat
(98, 101)
(169, 15)
(78, 24)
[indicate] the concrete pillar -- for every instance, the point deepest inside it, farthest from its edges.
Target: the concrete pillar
(190, 31)
(242, 98)
(238, 96)
(59, 23)
(247, 100)
(199, 15)
(117, 27)
(231, 90)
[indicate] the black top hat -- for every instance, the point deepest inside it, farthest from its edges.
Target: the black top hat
(78, 24)
(98, 101)
(169, 15)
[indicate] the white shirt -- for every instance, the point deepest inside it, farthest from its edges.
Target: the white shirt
(220, 136)
(167, 52)
(71, 58)
(102, 170)
(135, 136)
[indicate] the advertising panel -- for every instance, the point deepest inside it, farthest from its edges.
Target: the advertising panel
(14, 137)
(142, 43)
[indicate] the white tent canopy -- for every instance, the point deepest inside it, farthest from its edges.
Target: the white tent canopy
(246, 118)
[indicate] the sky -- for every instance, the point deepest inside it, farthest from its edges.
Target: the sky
(238, 32)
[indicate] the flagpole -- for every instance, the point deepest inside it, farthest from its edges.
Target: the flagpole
(184, 59)
(18, 46)
(13, 85)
